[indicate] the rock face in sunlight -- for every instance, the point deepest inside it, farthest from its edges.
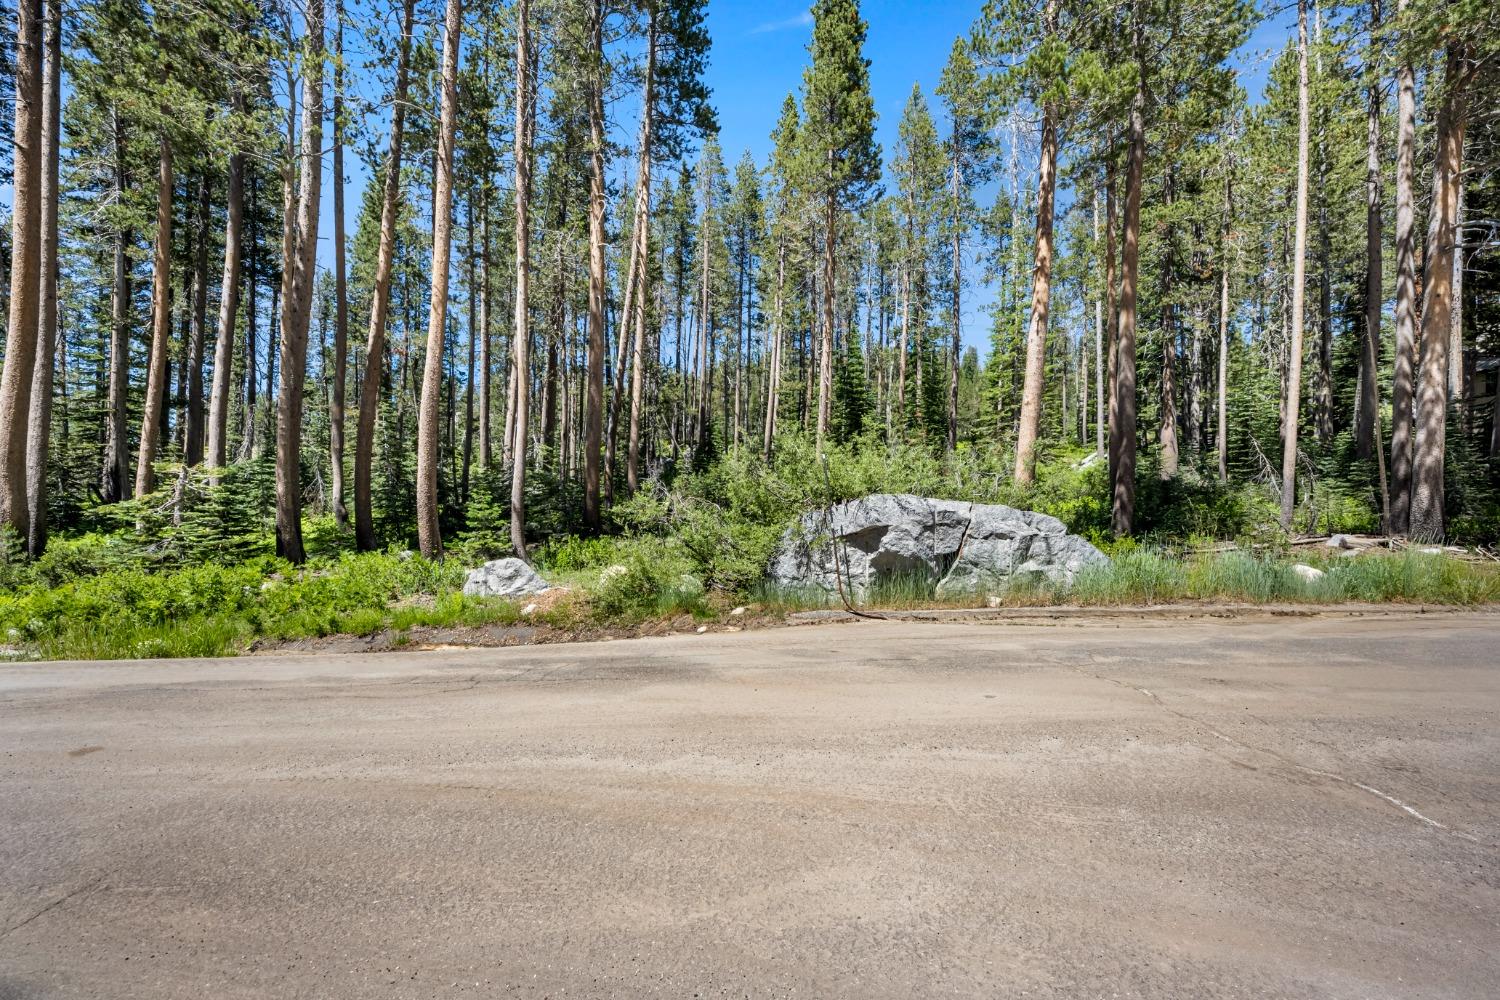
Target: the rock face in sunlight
(896, 541)
(503, 578)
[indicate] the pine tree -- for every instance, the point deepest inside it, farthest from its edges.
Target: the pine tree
(840, 158)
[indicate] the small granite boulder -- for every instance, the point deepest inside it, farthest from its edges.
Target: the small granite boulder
(503, 578)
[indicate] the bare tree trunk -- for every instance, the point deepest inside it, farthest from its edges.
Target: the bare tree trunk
(380, 300)
(484, 327)
(1459, 374)
(1367, 406)
(1100, 421)
(1041, 297)
(1324, 408)
(474, 337)
(340, 284)
(39, 431)
(1403, 380)
(520, 330)
(773, 386)
(114, 482)
(25, 269)
(229, 304)
(296, 307)
(593, 417)
(192, 434)
(252, 307)
(958, 286)
(1123, 405)
(904, 347)
(1111, 307)
(1427, 499)
(1168, 428)
(161, 326)
(1299, 286)
(640, 247)
(429, 533)
(1223, 401)
(825, 360)
(632, 320)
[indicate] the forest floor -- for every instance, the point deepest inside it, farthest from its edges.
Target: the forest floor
(1295, 807)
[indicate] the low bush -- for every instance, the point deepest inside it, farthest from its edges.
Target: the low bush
(654, 578)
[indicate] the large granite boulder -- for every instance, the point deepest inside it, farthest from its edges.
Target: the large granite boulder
(955, 546)
(503, 578)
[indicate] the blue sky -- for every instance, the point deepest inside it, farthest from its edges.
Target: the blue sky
(760, 49)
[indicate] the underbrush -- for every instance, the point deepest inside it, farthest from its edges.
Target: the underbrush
(1150, 576)
(215, 610)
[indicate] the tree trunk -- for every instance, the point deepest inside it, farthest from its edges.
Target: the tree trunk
(161, 326)
(825, 359)
(593, 417)
(1427, 499)
(1299, 286)
(39, 432)
(380, 299)
(25, 269)
(1167, 433)
(1325, 324)
(1222, 441)
(474, 337)
(520, 330)
(640, 247)
(1099, 371)
(1367, 406)
(632, 320)
(192, 435)
(484, 326)
(252, 306)
(1041, 297)
(1403, 380)
(903, 347)
(1123, 405)
(773, 384)
(229, 304)
(1111, 307)
(340, 284)
(958, 288)
(429, 533)
(296, 306)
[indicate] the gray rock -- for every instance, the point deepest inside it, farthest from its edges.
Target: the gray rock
(954, 546)
(1310, 574)
(503, 578)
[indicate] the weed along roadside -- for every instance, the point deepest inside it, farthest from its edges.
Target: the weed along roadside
(625, 588)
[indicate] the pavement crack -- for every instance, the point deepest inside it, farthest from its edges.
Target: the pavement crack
(86, 887)
(1285, 760)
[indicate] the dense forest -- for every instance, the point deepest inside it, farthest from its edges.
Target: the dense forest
(560, 308)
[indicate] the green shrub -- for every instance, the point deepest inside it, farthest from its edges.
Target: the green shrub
(653, 578)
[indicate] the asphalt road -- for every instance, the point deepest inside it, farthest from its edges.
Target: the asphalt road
(1287, 808)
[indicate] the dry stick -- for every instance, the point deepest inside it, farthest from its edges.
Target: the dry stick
(833, 547)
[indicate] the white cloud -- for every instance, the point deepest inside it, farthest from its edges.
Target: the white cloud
(802, 20)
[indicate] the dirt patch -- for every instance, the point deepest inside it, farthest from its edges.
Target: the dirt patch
(540, 633)
(485, 636)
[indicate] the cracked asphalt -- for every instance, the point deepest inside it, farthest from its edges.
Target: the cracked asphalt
(1282, 807)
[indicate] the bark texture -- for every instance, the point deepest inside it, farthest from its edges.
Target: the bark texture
(429, 532)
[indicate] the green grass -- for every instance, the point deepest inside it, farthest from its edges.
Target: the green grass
(212, 610)
(1149, 576)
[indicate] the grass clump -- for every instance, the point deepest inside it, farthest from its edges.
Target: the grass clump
(655, 579)
(1149, 576)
